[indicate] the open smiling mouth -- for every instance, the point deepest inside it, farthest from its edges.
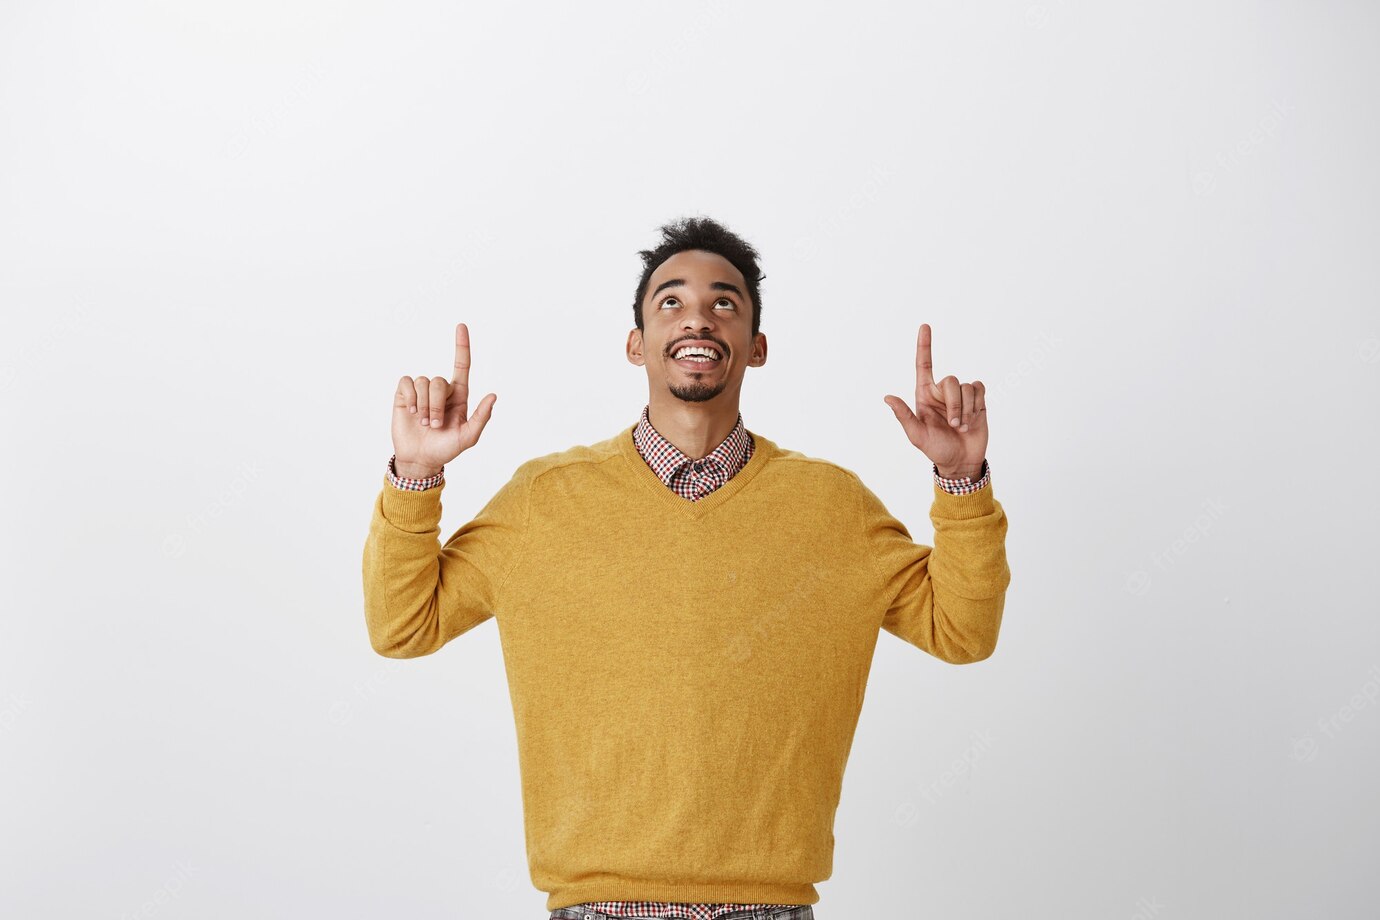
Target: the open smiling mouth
(697, 358)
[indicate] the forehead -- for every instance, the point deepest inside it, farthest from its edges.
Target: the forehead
(697, 265)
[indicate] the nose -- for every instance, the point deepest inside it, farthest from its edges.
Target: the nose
(697, 318)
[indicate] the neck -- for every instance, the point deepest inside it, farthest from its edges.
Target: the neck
(695, 428)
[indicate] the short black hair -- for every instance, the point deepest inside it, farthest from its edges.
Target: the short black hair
(711, 236)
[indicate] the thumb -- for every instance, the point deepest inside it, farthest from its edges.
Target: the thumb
(480, 417)
(914, 427)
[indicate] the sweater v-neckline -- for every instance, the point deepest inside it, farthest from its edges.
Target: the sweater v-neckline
(763, 450)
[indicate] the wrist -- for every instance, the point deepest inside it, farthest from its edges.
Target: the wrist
(959, 472)
(409, 470)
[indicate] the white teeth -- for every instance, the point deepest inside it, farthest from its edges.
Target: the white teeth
(700, 350)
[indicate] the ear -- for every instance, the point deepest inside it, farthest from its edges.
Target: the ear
(634, 347)
(758, 357)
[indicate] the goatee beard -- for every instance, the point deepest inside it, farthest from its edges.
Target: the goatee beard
(697, 392)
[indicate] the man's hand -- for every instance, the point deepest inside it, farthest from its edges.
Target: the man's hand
(431, 421)
(949, 423)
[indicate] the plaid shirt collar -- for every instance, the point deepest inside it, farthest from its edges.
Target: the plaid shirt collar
(670, 463)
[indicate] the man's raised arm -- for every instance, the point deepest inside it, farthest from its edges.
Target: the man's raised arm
(419, 595)
(946, 599)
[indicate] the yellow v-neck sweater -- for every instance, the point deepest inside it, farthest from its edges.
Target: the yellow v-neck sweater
(686, 677)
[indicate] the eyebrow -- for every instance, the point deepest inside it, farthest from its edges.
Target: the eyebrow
(713, 286)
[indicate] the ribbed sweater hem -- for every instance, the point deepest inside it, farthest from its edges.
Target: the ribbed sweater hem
(698, 893)
(960, 507)
(414, 512)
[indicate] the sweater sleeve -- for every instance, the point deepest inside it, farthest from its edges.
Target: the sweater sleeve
(947, 599)
(418, 594)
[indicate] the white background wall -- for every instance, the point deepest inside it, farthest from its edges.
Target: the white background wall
(227, 229)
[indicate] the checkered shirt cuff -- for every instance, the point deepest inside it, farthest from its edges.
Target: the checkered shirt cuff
(413, 485)
(963, 485)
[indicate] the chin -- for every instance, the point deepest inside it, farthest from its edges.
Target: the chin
(696, 393)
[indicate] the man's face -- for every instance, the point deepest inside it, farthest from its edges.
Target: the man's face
(696, 298)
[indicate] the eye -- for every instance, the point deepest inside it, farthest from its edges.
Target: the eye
(721, 300)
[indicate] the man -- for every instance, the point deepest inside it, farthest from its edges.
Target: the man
(687, 610)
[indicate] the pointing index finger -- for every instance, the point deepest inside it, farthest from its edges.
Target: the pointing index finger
(924, 363)
(461, 375)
